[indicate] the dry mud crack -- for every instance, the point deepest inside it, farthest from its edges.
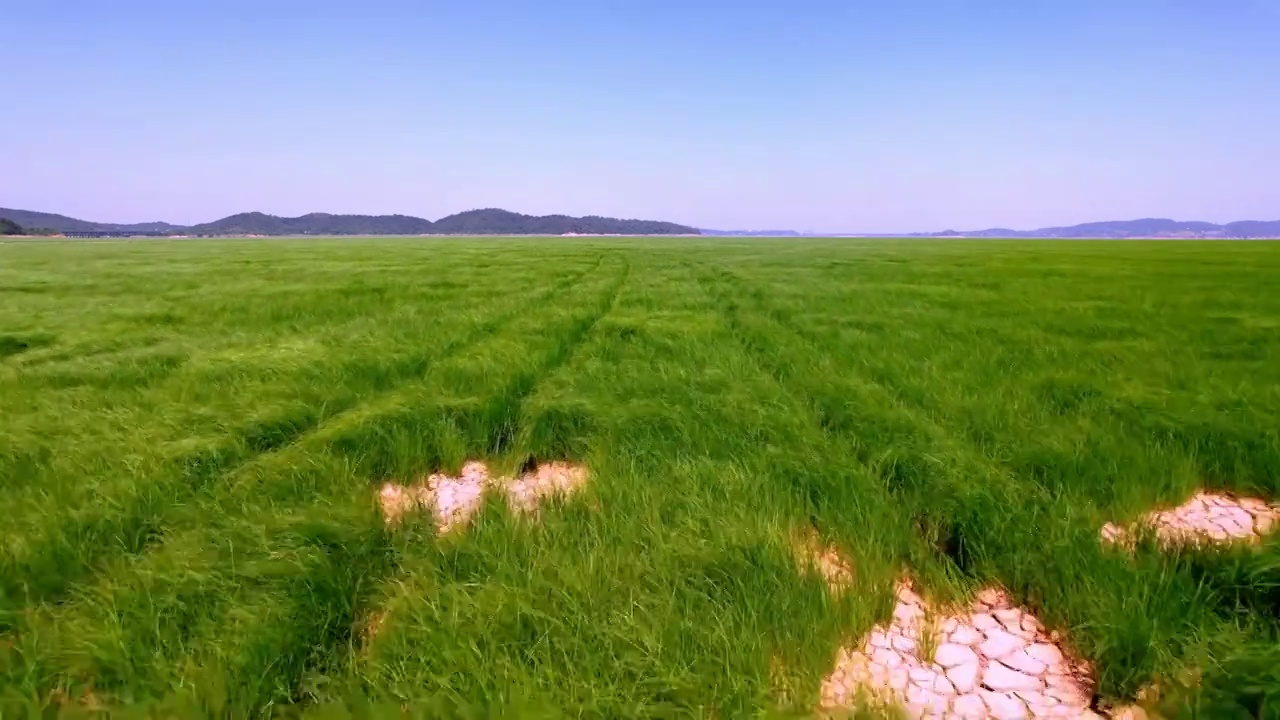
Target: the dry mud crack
(1204, 519)
(993, 660)
(996, 660)
(453, 500)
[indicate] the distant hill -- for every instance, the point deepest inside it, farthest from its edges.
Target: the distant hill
(1143, 228)
(62, 223)
(9, 227)
(472, 222)
(492, 221)
(256, 223)
(1254, 228)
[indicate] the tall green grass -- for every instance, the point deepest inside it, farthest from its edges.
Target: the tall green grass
(192, 434)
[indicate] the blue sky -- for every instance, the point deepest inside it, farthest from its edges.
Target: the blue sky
(819, 115)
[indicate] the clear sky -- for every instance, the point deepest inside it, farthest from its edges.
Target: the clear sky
(830, 115)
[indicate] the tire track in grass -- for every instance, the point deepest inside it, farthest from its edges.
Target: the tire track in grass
(50, 565)
(677, 567)
(462, 417)
(909, 416)
(1134, 619)
(849, 411)
(489, 429)
(909, 454)
(392, 377)
(840, 508)
(508, 408)
(490, 433)
(310, 547)
(789, 367)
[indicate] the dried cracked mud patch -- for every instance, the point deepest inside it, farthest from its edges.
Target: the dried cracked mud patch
(453, 500)
(993, 660)
(526, 492)
(1204, 519)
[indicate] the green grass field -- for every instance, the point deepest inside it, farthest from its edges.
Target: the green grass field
(192, 434)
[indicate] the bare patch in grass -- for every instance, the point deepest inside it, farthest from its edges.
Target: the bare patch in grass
(827, 561)
(1205, 518)
(994, 660)
(547, 480)
(453, 500)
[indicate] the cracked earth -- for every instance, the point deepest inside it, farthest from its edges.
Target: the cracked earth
(454, 499)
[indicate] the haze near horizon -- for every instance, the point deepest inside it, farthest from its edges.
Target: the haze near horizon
(746, 115)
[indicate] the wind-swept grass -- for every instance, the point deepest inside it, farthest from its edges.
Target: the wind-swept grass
(192, 435)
